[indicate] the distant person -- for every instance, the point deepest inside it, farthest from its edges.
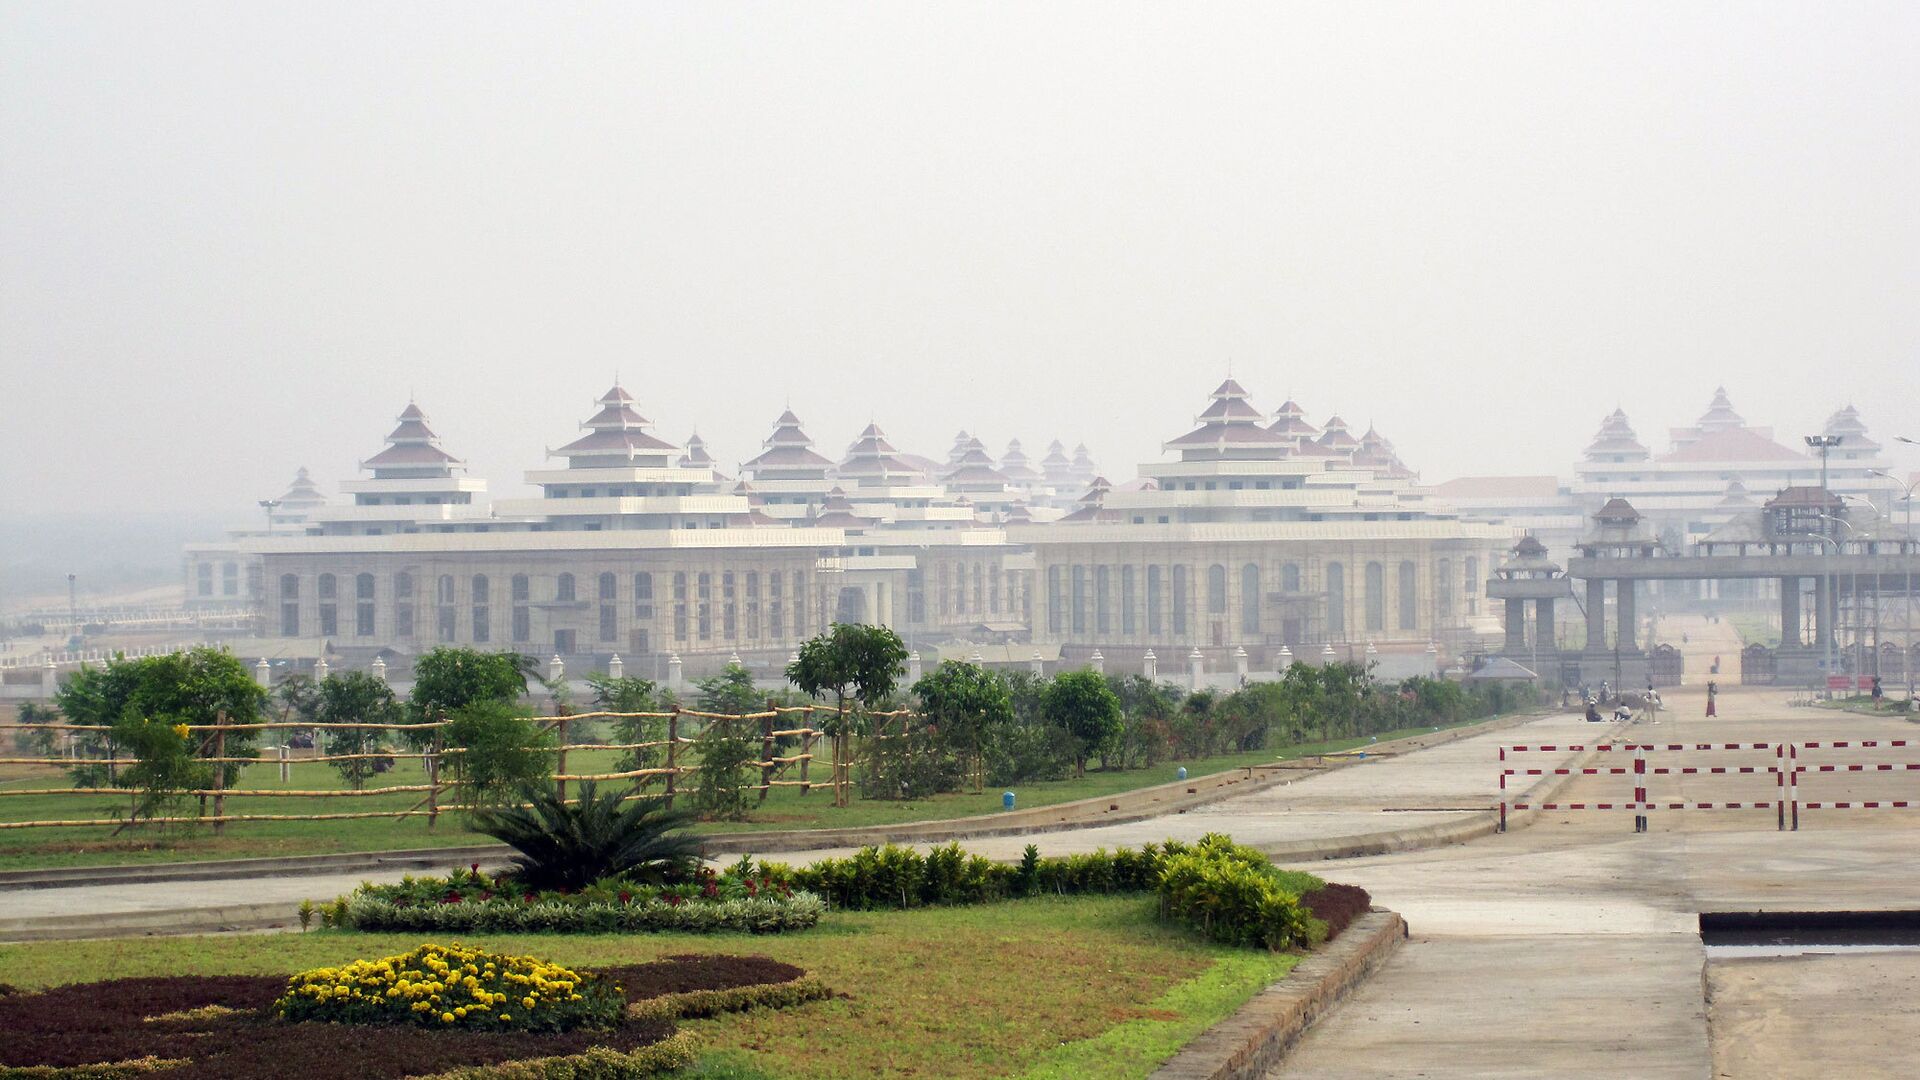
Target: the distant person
(1876, 691)
(1713, 691)
(1593, 712)
(1716, 666)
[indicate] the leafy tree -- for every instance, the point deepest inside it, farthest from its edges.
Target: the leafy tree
(297, 698)
(501, 750)
(355, 697)
(447, 679)
(632, 694)
(39, 742)
(731, 692)
(853, 662)
(572, 844)
(1080, 703)
(970, 705)
(152, 702)
(1148, 709)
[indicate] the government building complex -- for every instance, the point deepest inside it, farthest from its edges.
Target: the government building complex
(1259, 539)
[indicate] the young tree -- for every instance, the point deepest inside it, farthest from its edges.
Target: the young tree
(969, 704)
(1080, 703)
(355, 697)
(854, 662)
(727, 746)
(446, 680)
(38, 742)
(632, 694)
(152, 702)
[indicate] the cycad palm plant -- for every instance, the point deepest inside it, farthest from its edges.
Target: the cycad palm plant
(571, 844)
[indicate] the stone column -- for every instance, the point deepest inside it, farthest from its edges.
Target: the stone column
(1822, 613)
(1596, 613)
(1543, 622)
(1516, 625)
(883, 603)
(1789, 612)
(1628, 629)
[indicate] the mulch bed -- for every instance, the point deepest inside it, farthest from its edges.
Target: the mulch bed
(1337, 905)
(89, 1023)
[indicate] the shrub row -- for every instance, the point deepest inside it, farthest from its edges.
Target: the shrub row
(1227, 891)
(694, 1004)
(771, 914)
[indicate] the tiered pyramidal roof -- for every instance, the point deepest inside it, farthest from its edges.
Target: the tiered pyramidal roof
(789, 454)
(1615, 441)
(1016, 468)
(301, 496)
(872, 461)
(616, 436)
(413, 450)
(1229, 426)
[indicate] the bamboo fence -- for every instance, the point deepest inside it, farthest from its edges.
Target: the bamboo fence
(683, 727)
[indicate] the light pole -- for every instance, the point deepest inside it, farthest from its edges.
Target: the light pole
(1853, 597)
(1906, 621)
(269, 505)
(1820, 614)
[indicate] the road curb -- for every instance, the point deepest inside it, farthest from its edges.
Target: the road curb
(1248, 1044)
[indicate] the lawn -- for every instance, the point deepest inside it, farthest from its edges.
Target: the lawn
(785, 809)
(1088, 987)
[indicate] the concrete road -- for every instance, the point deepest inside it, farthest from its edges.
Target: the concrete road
(1797, 1017)
(1570, 948)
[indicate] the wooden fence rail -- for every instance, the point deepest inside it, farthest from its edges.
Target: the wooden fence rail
(769, 727)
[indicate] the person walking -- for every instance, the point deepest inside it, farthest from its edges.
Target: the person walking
(1713, 691)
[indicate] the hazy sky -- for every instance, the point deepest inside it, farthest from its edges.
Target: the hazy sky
(234, 238)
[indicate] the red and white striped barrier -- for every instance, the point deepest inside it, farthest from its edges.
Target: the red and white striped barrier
(1786, 770)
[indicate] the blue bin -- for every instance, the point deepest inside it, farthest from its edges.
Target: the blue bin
(1006, 800)
(1180, 773)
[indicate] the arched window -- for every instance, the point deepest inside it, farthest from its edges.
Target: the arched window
(403, 605)
(1473, 585)
(482, 614)
(643, 595)
(1336, 601)
(1179, 601)
(328, 590)
(289, 605)
(1155, 600)
(1216, 589)
(609, 590)
(1128, 623)
(1409, 597)
(403, 586)
(563, 587)
(1250, 599)
(1376, 596)
(363, 605)
(1102, 602)
(521, 588)
(1079, 599)
(1443, 589)
(446, 588)
(1290, 578)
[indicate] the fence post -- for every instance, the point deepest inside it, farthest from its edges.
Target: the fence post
(806, 753)
(219, 772)
(673, 753)
(432, 761)
(1503, 789)
(766, 750)
(1780, 787)
(286, 772)
(1793, 782)
(560, 757)
(1640, 790)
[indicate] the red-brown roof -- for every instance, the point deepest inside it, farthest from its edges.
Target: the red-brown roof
(1499, 487)
(1733, 444)
(607, 440)
(410, 454)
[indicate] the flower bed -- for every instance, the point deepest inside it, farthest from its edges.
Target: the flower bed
(736, 901)
(223, 1028)
(436, 985)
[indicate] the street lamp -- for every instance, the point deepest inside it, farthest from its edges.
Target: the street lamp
(1820, 617)
(1853, 589)
(1824, 444)
(1906, 622)
(269, 505)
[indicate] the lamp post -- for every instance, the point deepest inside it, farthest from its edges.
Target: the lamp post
(1820, 616)
(269, 505)
(1906, 622)
(1853, 594)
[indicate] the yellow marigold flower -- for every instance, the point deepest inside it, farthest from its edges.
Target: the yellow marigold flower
(527, 1001)
(446, 1018)
(506, 1017)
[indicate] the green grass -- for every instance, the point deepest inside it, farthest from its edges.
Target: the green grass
(1754, 629)
(1052, 987)
(786, 808)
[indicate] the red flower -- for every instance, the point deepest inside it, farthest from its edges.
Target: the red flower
(476, 869)
(626, 897)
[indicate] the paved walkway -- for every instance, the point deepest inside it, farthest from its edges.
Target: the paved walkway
(1571, 948)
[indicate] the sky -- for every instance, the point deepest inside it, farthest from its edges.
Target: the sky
(237, 238)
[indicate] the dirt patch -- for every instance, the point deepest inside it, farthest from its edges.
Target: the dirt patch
(1337, 905)
(170, 1018)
